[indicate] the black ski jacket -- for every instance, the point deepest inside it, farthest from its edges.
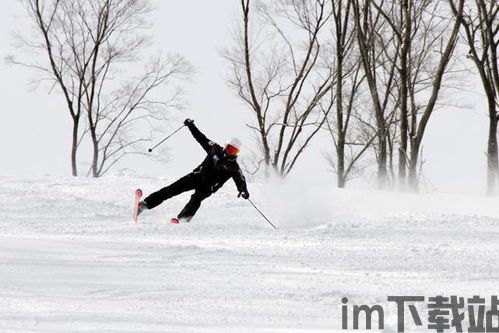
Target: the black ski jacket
(216, 168)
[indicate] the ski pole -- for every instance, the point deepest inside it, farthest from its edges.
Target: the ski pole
(251, 202)
(169, 136)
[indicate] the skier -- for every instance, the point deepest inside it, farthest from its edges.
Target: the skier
(219, 165)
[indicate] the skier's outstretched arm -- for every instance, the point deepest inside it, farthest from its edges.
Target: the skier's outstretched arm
(240, 181)
(206, 143)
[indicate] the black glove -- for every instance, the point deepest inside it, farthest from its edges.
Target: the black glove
(244, 194)
(188, 121)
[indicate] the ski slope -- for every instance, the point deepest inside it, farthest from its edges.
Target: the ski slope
(72, 260)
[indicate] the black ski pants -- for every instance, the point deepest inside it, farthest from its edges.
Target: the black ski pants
(187, 183)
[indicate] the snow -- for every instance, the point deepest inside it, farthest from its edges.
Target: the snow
(72, 260)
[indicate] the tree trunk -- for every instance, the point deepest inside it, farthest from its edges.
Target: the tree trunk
(95, 157)
(74, 146)
(382, 161)
(404, 126)
(341, 181)
(340, 149)
(413, 166)
(492, 155)
(340, 153)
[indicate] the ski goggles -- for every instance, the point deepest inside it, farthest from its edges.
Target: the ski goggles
(230, 150)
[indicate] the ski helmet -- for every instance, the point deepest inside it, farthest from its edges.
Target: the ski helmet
(232, 147)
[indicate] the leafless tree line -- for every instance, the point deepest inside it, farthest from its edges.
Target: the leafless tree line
(369, 72)
(87, 47)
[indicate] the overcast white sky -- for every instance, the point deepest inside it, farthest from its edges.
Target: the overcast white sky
(34, 126)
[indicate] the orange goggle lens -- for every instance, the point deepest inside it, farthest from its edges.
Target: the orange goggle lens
(231, 150)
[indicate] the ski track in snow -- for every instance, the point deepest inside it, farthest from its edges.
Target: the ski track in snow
(72, 260)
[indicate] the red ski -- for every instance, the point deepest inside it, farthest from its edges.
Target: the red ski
(138, 195)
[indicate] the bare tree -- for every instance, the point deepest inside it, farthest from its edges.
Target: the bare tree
(440, 33)
(112, 118)
(410, 42)
(378, 50)
(403, 18)
(88, 45)
(400, 17)
(286, 79)
(346, 67)
(480, 22)
(358, 140)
